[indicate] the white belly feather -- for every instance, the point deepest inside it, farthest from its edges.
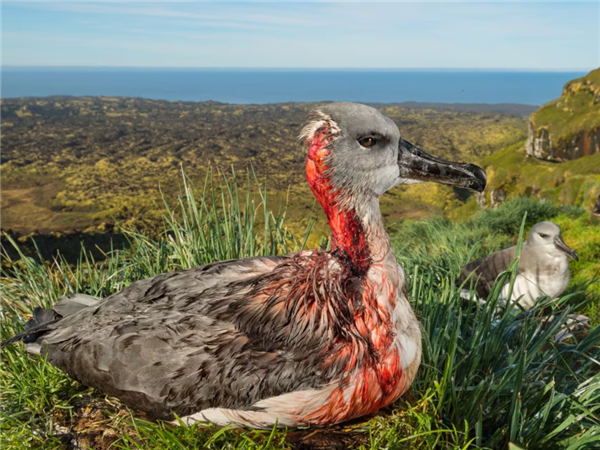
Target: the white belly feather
(528, 287)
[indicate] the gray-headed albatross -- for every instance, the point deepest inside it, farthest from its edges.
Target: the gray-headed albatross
(543, 267)
(310, 338)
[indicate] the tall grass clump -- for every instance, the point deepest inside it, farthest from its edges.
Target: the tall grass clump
(502, 375)
(507, 217)
(499, 371)
(218, 222)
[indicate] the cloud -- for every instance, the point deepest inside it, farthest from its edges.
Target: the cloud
(179, 10)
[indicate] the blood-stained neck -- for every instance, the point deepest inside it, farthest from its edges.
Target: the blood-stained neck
(349, 238)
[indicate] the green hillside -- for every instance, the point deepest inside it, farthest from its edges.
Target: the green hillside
(568, 127)
(575, 182)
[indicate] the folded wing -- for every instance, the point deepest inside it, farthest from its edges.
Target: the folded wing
(483, 272)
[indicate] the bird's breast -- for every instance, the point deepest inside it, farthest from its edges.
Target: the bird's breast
(383, 364)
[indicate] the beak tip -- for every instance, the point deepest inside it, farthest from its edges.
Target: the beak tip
(479, 177)
(560, 244)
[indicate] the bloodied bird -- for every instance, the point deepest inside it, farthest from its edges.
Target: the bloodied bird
(310, 338)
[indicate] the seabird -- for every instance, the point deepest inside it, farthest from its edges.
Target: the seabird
(543, 267)
(310, 338)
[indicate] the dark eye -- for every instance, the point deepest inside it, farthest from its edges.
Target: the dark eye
(543, 236)
(367, 142)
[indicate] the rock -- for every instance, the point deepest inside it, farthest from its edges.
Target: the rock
(540, 145)
(568, 127)
(497, 196)
(481, 200)
(595, 215)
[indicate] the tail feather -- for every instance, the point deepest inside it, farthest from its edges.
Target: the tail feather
(43, 318)
(31, 334)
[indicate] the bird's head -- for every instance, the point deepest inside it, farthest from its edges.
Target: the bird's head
(547, 236)
(355, 152)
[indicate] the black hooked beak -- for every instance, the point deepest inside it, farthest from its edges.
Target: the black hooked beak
(417, 165)
(560, 244)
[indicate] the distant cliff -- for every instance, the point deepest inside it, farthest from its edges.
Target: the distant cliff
(569, 127)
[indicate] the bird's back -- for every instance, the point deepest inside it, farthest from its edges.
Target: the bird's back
(190, 340)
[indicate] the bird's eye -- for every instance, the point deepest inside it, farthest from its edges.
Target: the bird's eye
(543, 235)
(367, 142)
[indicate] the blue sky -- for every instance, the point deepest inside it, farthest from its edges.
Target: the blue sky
(521, 35)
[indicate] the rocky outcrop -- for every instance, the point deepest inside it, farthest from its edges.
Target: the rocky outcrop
(496, 197)
(568, 127)
(540, 145)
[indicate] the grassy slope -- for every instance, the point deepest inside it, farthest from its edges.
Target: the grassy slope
(577, 109)
(574, 182)
(571, 183)
(484, 380)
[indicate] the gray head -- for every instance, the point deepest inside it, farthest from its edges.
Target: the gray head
(547, 237)
(361, 152)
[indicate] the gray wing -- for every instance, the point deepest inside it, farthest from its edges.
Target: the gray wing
(484, 271)
(181, 342)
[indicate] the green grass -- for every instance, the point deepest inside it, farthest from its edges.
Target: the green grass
(575, 182)
(485, 380)
(576, 110)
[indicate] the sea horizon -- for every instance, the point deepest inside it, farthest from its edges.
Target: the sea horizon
(295, 69)
(282, 85)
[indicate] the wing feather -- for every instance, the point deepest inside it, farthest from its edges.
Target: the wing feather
(211, 336)
(483, 272)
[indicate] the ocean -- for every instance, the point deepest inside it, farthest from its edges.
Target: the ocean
(247, 86)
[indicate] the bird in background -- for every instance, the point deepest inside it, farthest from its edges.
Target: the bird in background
(310, 338)
(543, 268)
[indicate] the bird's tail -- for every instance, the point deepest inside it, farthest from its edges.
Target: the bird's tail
(44, 318)
(35, 327)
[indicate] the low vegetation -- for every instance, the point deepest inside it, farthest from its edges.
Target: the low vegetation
(487, 379)
(84, 164)
(575, 182)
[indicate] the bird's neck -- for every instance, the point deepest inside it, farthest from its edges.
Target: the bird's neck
(357, 233)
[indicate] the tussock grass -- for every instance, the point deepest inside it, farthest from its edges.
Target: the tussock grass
(486, 379)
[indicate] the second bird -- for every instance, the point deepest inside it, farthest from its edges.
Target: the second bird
(543, 267)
